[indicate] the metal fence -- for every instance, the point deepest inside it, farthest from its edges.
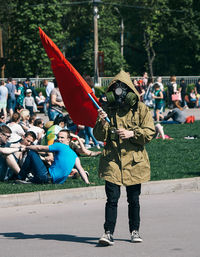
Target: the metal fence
(38, 81)
(104, 81)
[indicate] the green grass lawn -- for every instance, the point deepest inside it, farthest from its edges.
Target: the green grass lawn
(170, 159)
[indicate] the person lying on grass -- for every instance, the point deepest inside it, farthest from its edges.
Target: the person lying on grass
(64, 161)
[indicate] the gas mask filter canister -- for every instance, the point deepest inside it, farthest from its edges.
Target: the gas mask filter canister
(121, 94)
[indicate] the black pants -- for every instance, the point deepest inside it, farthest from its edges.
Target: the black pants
(113, 195)
(30, 108)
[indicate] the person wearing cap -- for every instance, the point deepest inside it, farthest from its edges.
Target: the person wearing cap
(29, 101)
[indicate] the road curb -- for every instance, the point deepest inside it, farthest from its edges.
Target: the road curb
(66, 195)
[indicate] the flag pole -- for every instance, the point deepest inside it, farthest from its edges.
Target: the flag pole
(98, 107)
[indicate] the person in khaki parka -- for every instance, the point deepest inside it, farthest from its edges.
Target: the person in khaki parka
(124, 160)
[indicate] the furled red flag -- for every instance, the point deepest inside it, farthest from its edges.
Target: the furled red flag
(73, 87)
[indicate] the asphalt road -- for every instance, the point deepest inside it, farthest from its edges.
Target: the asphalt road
(170, 228)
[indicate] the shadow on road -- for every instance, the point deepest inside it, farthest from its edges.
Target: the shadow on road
(57, 237)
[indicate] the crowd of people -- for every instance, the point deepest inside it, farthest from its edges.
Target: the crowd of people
(19, 120)
(157, 96)
(23, 132)
(35, 151)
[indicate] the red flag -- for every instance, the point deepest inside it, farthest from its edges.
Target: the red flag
(73, 87)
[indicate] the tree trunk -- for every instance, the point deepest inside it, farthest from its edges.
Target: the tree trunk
(150, 53)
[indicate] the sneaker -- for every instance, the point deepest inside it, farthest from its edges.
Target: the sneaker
(135, 237)
(87, 173)
(26, 181)
(106, 239)
(88, 146)
(30, 176)
(189, 137)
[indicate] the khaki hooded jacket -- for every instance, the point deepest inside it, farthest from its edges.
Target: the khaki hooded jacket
(125, 162)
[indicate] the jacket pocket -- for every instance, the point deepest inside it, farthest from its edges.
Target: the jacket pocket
(138, 156)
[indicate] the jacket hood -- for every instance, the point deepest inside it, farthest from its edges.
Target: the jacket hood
(125, 78)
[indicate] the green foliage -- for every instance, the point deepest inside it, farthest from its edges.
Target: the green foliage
(162, 36)
(80, 43)
(41, 89)
(25, 52)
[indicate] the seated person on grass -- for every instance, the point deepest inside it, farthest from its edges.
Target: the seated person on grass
(177, 116)
(52, 132)
(27, 139)
(160, 132)
(64, 161)
(2, 119)
(6, 152)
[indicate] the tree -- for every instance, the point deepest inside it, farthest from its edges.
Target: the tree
(150, 19)
(80, 41)
(25, 52)
(182, 38)
(161, 36)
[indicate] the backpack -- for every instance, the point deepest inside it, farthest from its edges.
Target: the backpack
(190, 119)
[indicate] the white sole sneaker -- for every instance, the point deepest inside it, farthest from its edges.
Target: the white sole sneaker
(136, 240)
(105, 242)
(135, 237)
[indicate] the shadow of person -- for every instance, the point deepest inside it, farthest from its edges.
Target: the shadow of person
(57, 237)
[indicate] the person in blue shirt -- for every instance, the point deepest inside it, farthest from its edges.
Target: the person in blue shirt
(64, 161)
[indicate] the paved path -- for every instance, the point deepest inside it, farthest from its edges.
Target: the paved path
(188, 112)
(170, 228)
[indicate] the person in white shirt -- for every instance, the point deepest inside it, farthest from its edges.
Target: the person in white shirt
(41, 101)
(17, 130)
(159, 82)
(40, 98)
(29, 101)
(3, 98)
(38, 129)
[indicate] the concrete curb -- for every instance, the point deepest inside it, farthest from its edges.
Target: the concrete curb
(66, 195)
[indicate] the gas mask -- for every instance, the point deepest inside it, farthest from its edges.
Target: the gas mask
(121, 94)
